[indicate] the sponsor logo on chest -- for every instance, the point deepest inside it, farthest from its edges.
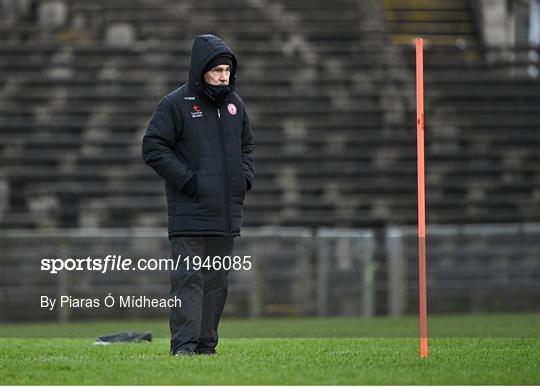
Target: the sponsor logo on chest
(196, 111)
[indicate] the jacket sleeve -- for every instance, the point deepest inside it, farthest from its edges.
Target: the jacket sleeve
(248, 151)
(158, 144)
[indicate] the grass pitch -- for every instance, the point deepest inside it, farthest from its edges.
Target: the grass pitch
(485, 349)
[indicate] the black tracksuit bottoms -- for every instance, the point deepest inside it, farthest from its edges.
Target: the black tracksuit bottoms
(194, 325)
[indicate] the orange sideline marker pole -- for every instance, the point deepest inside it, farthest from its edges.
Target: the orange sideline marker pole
(421, 197)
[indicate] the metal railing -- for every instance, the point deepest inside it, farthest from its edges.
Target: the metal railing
(295, 271)
(471, 268)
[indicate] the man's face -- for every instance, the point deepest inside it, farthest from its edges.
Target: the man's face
(218, 76)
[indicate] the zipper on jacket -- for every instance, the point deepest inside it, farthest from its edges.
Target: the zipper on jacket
(226, 168)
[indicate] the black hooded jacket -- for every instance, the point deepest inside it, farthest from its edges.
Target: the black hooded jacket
(188, 136)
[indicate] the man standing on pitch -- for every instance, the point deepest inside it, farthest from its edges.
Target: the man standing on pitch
(200, 142)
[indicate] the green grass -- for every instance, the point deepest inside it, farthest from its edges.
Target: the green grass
(440, 326)
(478, 349)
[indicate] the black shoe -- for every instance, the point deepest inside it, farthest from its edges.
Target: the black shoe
(205, 352)
(184, 352)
